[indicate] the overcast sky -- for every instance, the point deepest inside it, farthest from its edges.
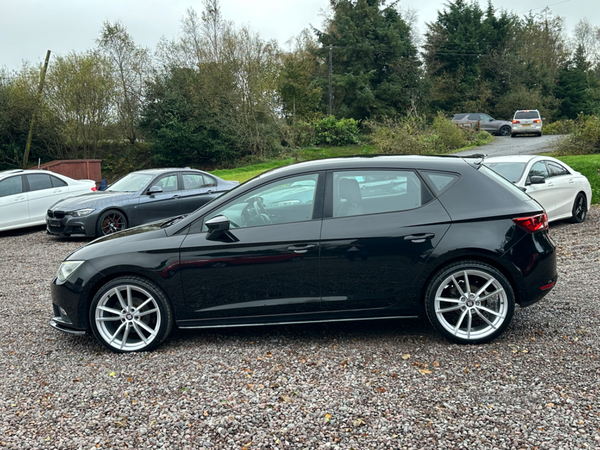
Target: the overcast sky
(30, 27)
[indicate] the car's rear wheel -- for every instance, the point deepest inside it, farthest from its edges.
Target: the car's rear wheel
(470, 302)
(130, 314)
(512, 134)
(504, 131)
(110, 222)
(579, 211)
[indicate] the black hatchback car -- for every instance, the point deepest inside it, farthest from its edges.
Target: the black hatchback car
(139, 197)
(329, 240)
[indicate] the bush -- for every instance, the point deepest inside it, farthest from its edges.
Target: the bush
(566, 126)
(327, 131)
(583, 140)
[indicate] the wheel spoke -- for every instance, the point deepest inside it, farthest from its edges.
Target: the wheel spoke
(457, 286)
(139, 308)
(485, 286)
(144, 326)
(116, 312)
(139, 333)
(447, 300)
(491, 294)
(467, 284)
(121, 300)
(116, 333)
(446, 310)
(485, 319)
(129, 299)
(109, 319)
(459, 323)
(125, 335)
(145, 313)
(469, 324)
(489, 311)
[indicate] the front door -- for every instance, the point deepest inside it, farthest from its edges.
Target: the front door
(161, 205)
(14, 207)
(268, 271)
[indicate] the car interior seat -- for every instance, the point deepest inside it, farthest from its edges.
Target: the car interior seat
(350, 198)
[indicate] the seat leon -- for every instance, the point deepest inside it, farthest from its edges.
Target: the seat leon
(330, 240)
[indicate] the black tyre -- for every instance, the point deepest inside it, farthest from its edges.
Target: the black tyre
(470, 302)
(110, 222)
(504, 131)
(512, 134)
(130, 314)
(540, 134)
(579, 211)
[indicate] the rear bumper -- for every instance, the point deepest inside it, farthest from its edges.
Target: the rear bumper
(532, 129)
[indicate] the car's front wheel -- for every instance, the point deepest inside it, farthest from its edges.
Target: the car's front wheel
(130, 314)
(110, 222)
(470, 302)
(504, 131)
(579, 211)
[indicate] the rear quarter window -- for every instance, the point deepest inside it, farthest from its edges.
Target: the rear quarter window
(440, 181)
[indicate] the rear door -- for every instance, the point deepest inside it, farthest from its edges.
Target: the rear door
(544, 193)
(197, 190)
(43, 193)
(566, 188)
(380, 227)
(14, 208)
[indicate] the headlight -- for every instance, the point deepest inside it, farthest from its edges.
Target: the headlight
(66, 269)
(81, 212)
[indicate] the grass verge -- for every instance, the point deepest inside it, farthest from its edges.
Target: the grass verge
(587, 165)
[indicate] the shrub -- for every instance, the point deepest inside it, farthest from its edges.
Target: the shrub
(327, 131)
(583, 140)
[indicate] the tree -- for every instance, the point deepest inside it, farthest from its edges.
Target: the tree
(375, 66)
(130, 69)
(81, 92)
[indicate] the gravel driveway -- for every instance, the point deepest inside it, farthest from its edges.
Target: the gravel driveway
(519, 145)
(374, 385)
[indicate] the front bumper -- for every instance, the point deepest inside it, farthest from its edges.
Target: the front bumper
(61, 224)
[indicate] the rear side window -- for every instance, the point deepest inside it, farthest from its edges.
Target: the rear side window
(557, 170)
(440, 181)
(57, 182)
(458, 116)
(377, 191)
(11, 186)
(37, 182)
(504, 182)
(527, 115)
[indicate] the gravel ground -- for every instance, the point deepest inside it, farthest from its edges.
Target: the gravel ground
(376, 385)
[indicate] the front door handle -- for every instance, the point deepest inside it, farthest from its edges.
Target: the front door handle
(301, 248)
(419, 238)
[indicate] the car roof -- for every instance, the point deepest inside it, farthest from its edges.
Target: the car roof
(519, 158)
(166, 169)
(7, 173)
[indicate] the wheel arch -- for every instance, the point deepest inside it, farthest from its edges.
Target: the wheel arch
(477, 256)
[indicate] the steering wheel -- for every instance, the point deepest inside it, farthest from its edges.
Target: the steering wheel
(261, 211)
(254, 213)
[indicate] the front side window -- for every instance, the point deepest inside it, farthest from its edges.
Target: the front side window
(11, 186)
(282, 201)
(377, 191)
(167, 183)
(37, 182)
(539, 169)
(473, 116)
(486, 117)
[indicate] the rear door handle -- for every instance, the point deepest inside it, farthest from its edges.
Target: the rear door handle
(419, 238)
(301, 248)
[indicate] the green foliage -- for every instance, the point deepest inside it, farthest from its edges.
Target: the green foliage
(584, 140)
(375, 64)
(328, 131)
(566, 126)
(414, 136)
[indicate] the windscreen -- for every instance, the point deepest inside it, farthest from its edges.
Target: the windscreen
(510, 170)
(131, 183)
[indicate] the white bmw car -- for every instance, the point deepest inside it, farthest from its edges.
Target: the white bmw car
(563, 192)
(26, 195)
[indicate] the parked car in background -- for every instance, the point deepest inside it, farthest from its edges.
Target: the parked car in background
(378, 237)
(25, 195)
(137, 198)
(487, 122)
(563, 192)
(527, 121)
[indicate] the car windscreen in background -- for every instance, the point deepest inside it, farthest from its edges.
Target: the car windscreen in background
(504, 182)
(527, 115)
(509, 170)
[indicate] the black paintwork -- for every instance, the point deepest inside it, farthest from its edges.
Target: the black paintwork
(139, 207)
(325, 268)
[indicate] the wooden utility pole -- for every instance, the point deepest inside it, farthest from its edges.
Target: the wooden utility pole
(330, 75)
(35, 108)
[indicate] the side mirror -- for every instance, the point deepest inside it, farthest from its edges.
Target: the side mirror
(536, 179)
(154, 190)
(218, 229)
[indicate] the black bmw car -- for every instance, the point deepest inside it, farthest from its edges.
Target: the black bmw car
(378, 237)
(137, 198)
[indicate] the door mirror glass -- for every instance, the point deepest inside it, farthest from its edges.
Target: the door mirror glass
(536, 179)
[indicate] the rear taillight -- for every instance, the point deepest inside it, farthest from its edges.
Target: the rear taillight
(516, 121)
(533, 223)
(94, 189)
(537, 121)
